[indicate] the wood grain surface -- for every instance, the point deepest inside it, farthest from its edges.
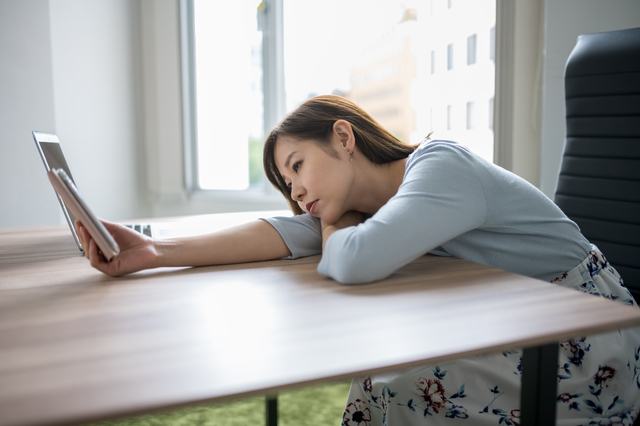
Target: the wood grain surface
(76, 345)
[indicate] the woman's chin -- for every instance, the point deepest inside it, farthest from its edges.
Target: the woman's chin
(327, 219)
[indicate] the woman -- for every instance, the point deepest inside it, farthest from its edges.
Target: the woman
(371, 204)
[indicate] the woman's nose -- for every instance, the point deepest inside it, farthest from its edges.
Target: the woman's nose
(297, 192)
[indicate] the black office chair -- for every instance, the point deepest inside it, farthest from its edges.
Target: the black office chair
(599, 182)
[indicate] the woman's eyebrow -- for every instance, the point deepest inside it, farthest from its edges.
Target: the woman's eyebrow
(286, 163)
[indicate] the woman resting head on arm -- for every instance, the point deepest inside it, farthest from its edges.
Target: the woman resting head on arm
(329, 158)
(336, 166)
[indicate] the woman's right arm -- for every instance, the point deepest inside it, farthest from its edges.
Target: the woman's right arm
(251, 242)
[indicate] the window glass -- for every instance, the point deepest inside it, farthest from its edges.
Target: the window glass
(466, 89)
(433, 62)
(228, 69)
(470, 118)
(382, 58)
(471, 50)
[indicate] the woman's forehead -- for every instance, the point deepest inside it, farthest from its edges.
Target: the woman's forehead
(288, 142)
(284, 146)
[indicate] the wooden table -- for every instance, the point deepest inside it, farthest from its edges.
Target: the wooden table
(76, 345)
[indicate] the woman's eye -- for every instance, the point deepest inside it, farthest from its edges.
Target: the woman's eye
(296, 166)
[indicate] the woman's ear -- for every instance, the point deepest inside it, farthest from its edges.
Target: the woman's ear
(343, 132)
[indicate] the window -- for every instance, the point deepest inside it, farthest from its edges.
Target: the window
(369, 60)
(229, 98)
(470, 115)
(430, 120)
(457, 97)
(471, 50)
(382, 58)
(433, 62)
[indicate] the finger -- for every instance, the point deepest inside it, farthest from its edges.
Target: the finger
(96, 259)
(76, 226)
(85, 240)
(121, 233)
(100, 262)
(109, 225)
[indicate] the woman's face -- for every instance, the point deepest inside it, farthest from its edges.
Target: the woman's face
(320, 181)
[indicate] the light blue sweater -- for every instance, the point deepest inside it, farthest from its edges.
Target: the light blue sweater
(451, 202)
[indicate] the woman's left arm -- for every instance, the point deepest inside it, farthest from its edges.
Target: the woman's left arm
(440, 199)
(351, 218)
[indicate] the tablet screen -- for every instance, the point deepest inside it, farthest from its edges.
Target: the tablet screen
(54, 156)
(55, 160)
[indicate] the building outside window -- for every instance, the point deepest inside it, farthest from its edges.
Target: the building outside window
(470, 115)
(433, 62)
(377, 60)
(459, 97)
(471, 49)
(430, 120)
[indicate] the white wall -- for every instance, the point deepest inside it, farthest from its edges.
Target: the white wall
(70, 67)
(96, 93)
(565, 20)
(26, 104)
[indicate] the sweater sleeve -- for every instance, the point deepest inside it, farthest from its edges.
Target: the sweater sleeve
(441, 197)
(302, 234)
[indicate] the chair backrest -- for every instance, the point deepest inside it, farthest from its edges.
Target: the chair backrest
(599, 182)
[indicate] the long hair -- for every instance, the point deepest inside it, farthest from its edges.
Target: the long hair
(313, 121)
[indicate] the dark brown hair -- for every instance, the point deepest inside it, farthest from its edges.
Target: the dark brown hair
(313, 121)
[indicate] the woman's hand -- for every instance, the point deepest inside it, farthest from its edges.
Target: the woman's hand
(137, 251)
(350, 218)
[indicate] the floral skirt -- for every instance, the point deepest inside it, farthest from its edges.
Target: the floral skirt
(598, 376)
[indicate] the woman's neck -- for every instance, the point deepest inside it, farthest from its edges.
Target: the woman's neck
(377, 184)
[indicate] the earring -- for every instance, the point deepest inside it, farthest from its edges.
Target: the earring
(350, 154)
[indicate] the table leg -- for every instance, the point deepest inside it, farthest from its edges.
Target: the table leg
(539, 386)
(272, 410)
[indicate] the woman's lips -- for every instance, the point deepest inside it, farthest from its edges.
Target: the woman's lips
(310, 206)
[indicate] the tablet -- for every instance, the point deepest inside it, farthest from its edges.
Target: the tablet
(52, 156)
(67, 190)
